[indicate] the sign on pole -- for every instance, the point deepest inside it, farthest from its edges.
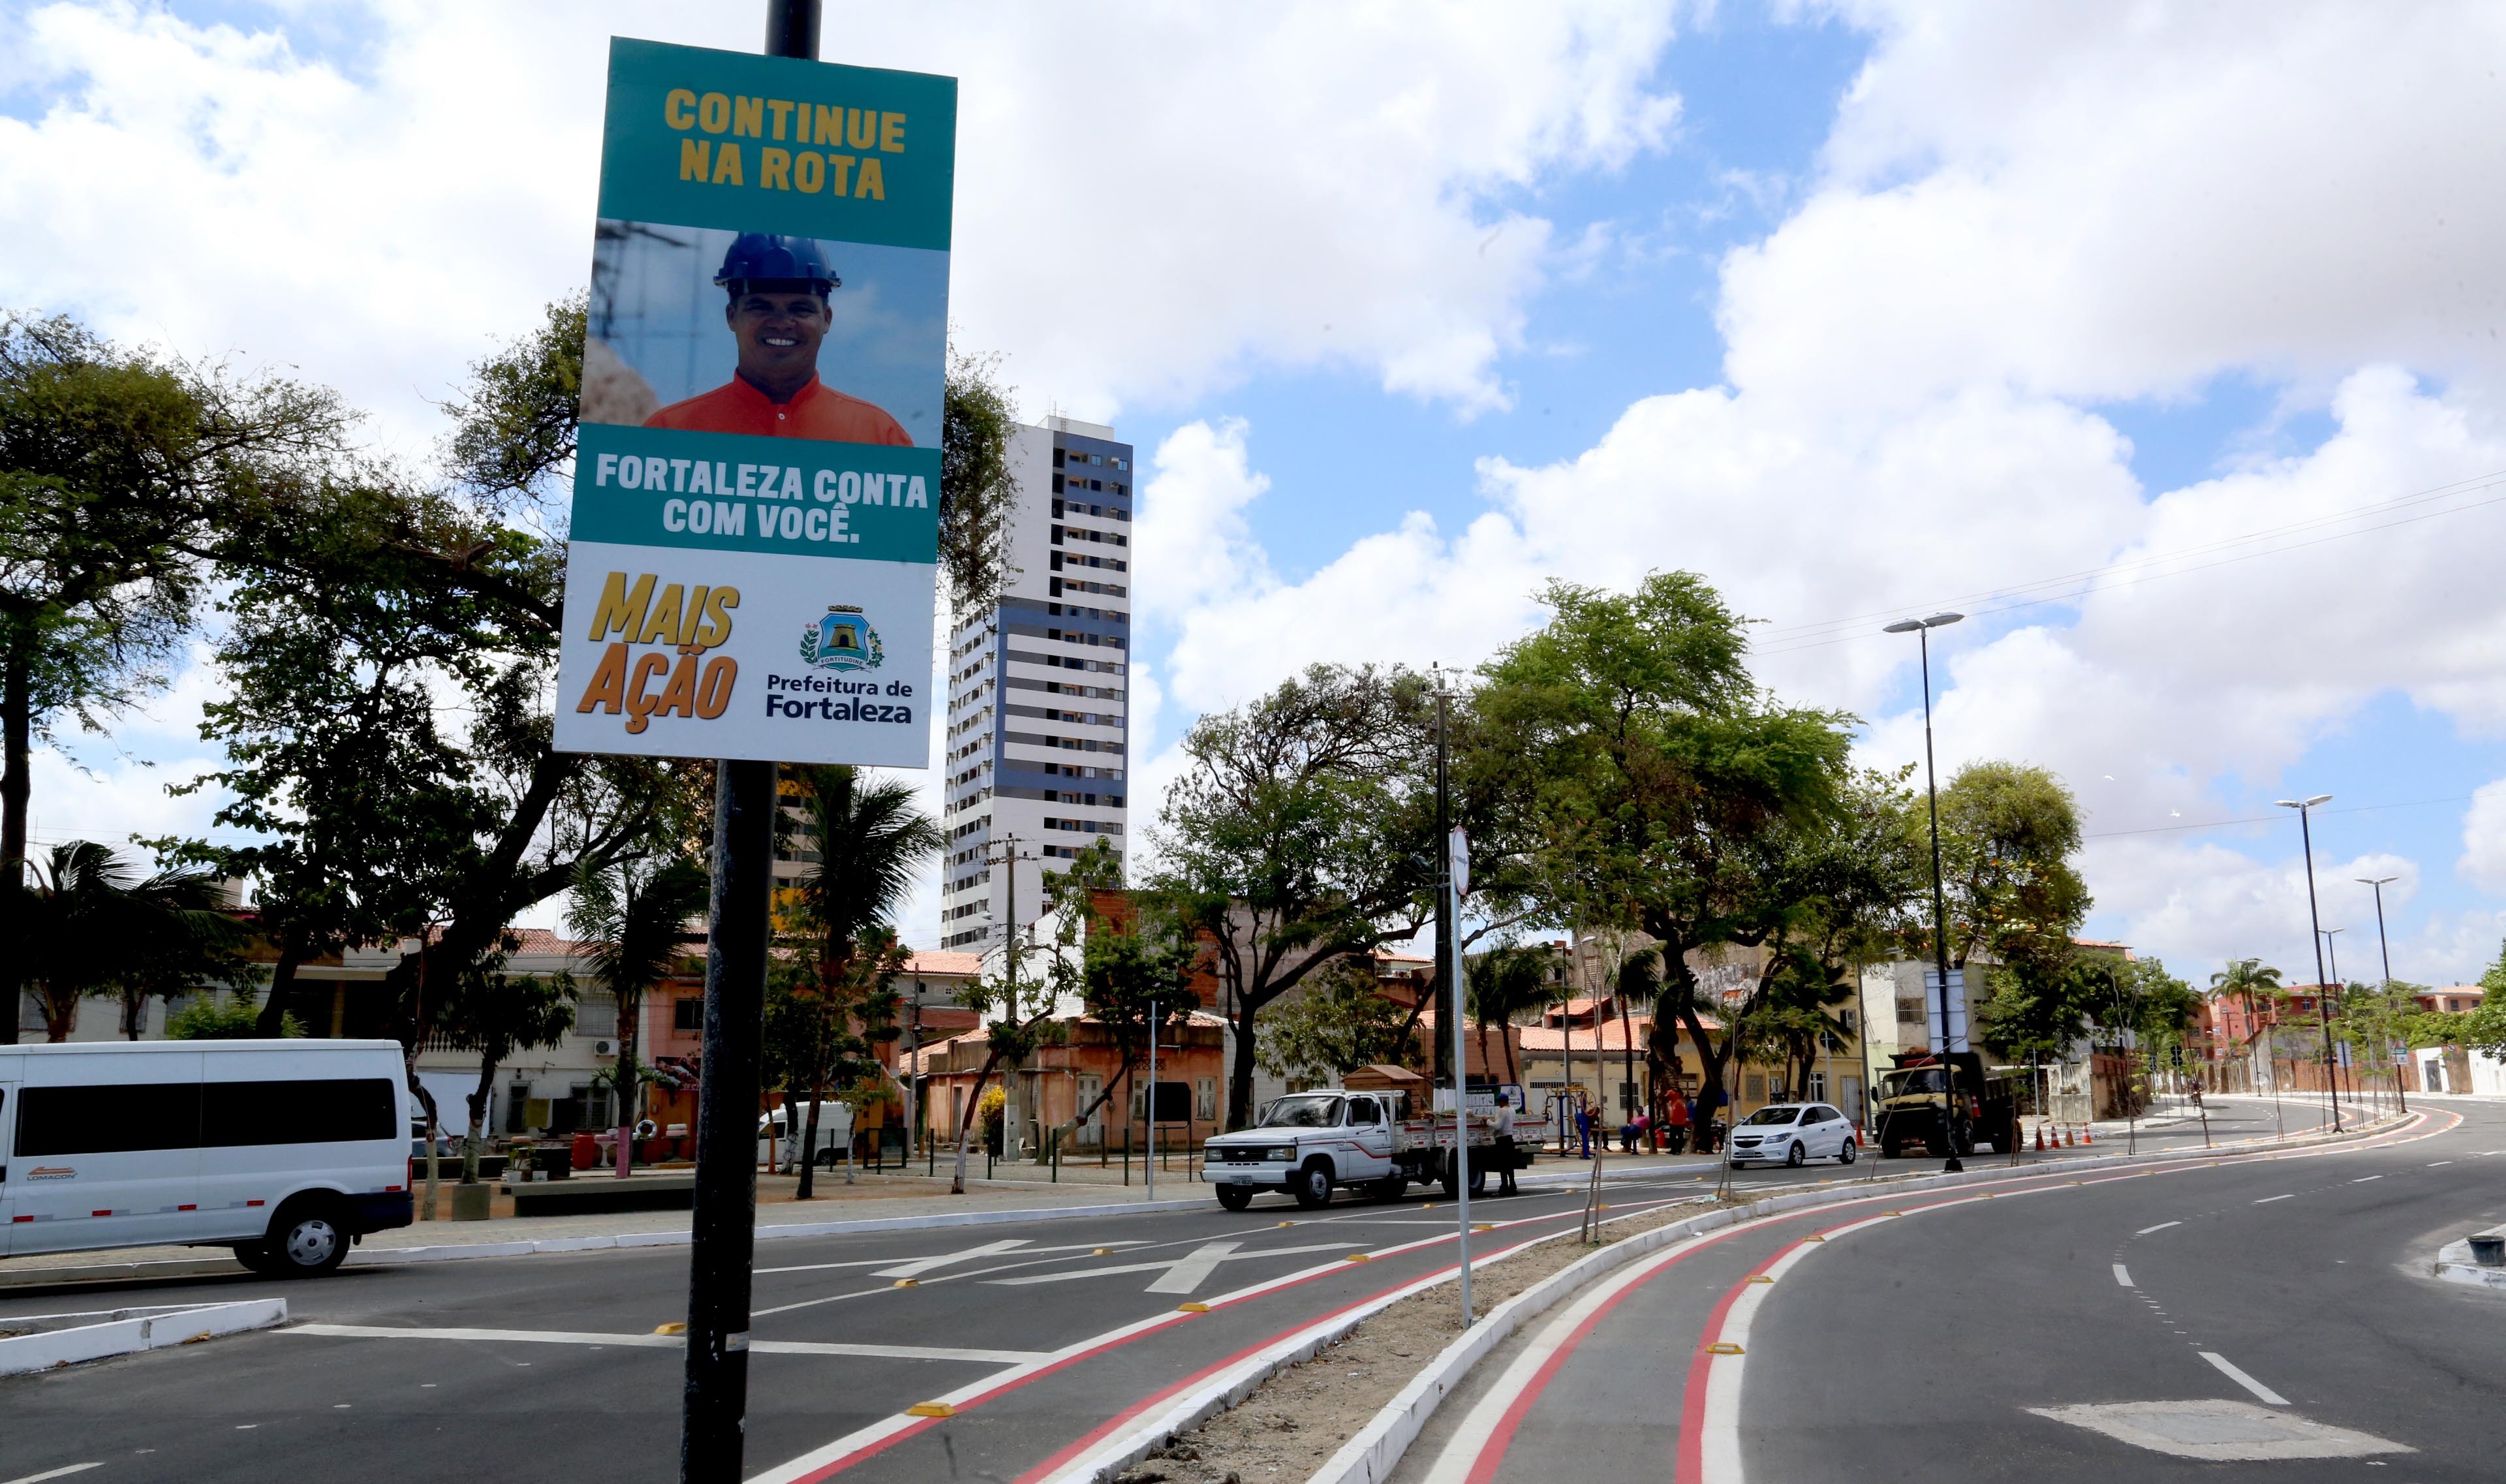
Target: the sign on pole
(1956, 1039)
(755, 530)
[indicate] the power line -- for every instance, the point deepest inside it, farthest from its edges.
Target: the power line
(2220, 825)
(2081, 584)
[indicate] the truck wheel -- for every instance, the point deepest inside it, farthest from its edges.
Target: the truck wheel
(1453, 1187)
(1313, 1185)
(1234, 1197)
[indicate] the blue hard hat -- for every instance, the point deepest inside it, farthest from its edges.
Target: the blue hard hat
(770, 256)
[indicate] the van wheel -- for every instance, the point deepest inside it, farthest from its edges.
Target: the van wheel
(1313, 1187)
(1234, 1197)
(306, 1240)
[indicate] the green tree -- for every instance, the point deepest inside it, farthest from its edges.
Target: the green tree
(1341, 1023)
(495, 1017)
(1666, 787)
(1502, 983)
(93, 924)
(1298, 835)
(2255, 986)
(117, 469)
(863, 840)
(1134, 975)
(2483, 1027)
(637, 918)
(2008, 833)
(216, 1018)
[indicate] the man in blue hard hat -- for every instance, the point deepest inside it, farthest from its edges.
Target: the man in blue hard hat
(779, 287)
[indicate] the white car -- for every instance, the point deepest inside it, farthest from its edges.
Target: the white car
(1794, 1132)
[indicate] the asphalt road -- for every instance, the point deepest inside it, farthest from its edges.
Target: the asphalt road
(2157, 1325)
(1042, 1336)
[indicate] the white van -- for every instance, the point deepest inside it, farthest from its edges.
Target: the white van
(786, 1126)
(286, 1151)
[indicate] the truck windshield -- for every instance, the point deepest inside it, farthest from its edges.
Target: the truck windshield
(1922, 1079)
(1302, 1111)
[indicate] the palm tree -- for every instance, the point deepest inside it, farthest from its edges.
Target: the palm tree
(2256, 984)
(635, 916)
(89, 926)
(1503, 983)
(868, 841)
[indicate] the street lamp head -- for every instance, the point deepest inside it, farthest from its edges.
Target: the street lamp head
(2375, 880)
(1942, 620)
(1903, 625)
(2321, 798)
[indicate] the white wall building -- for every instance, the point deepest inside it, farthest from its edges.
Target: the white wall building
(1037, 751)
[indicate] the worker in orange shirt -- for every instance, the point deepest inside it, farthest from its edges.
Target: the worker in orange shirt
(778, 312)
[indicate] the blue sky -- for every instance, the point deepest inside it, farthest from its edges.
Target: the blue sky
(1856, 307)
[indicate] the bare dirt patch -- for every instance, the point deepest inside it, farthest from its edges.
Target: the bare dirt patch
(1298, 1419)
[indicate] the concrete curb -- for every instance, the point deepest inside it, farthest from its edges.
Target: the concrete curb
(1370, 1455)
(113, 1336)
(2453, 1263)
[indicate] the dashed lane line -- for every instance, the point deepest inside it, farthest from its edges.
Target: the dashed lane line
(2160, 1227)
(2123, 1275)
(2267, 1200)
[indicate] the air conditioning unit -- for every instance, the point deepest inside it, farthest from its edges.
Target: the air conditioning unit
(605, 1048)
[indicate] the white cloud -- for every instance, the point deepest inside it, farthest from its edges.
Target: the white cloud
(2121, 201)
(1151, 201)
(2484, 838)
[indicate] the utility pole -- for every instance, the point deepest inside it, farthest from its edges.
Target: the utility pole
(2331, 1061)
(1150, 1104)
(2380, 882)
(1007, 860)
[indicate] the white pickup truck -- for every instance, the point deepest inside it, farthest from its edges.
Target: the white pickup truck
(1307, 1144)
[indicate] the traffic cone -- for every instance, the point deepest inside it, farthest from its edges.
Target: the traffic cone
(2040, 1138)
(2088, 1137)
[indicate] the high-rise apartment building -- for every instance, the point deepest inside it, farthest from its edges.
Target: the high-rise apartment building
(1037, 755)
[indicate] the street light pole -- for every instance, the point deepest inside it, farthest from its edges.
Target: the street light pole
(2334, 949)
(1922, 628)
(2386, 943)
(1448, 969)
(2315, 919)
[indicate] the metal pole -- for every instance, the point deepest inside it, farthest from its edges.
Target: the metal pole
(1449, 966)
(2401, 1095)
(723, 1230)
(722, 1234)
(1149, 1108)
(2315, 919)
(1940, 911)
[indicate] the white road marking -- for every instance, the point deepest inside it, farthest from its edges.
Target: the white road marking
(2364, 1178)
(2124, 1275)
(821, 1267)
(1199, 1264)
(55, 1473)
(921, 1265)
(2432, 1164)
(2160, 1227)
(2267, 1200)
(2261, 1391)
(665, 1342)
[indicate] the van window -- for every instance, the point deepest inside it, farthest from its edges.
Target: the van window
(311, 1111)
(129, 1117)
(108, 1120)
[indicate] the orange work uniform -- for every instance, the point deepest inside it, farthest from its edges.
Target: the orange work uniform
(816, 411)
